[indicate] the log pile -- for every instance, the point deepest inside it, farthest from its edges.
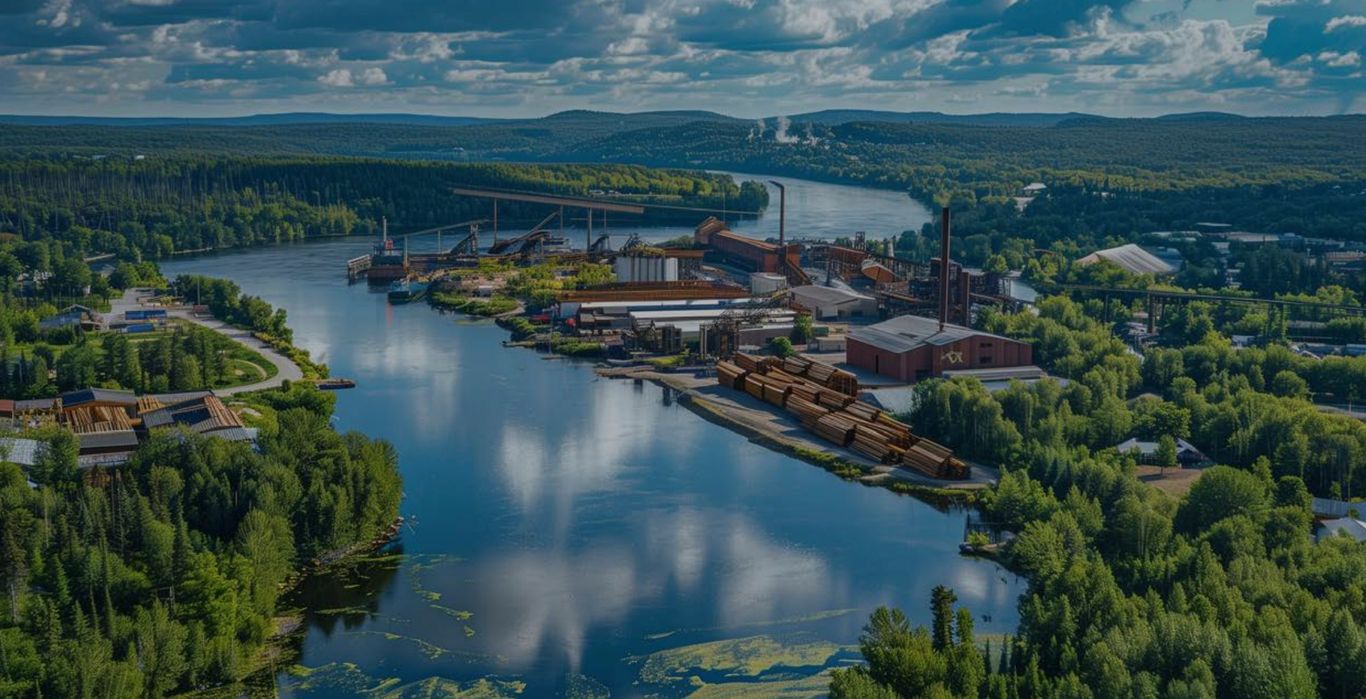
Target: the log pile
(730, 375)
(822, 374)
(836, 416)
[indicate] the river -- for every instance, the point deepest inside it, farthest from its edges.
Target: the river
(569, 533)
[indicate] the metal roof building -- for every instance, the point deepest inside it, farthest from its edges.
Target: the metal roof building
(1131, 258)
(24, 452)
(911, 348)
(833, 302)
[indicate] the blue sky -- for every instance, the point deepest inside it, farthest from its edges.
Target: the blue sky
(742, 57)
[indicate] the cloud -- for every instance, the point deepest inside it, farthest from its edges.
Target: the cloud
(748, 57)
(1344, 21)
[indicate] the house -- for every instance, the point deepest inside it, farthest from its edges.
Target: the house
(1187, 456)
(1034, 189)
(1132, 259)
(912, 348)
(827, 302)
(1350, 526)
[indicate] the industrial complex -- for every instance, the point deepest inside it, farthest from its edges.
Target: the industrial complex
(729, 305)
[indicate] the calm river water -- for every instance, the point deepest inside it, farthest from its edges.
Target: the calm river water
(570, 533)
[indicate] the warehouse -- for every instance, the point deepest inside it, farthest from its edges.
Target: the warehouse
(912, 348)
(828, 302)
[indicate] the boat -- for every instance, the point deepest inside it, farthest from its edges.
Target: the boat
(334, 384)
(405, 290)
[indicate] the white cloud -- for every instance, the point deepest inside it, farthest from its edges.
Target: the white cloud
(340, 77)
(373, 76)
(1344, 21)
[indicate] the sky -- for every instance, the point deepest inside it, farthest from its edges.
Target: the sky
(748, 58)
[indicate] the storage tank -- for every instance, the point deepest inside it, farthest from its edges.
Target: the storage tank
(641, 268)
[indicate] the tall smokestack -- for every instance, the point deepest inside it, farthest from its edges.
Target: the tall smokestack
(944, 269)
(782, 212)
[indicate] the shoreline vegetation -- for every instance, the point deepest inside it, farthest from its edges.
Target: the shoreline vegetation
(165, 576)
(229, 304)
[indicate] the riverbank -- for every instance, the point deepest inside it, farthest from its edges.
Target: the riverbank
(286, 369)
(779, 431)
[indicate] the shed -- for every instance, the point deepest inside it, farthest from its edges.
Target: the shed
(1186, 454)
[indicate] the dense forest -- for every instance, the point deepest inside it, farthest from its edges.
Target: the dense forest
(156, 207)
(1220, 593)
(166, 579)
(1110, 179)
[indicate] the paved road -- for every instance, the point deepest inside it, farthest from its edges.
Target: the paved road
(286, 370)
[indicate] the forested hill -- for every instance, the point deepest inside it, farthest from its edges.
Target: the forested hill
(157, 206)
(927, 155)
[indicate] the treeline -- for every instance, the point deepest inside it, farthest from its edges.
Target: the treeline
(165, 580)
(184, 358)
(158, 206)
(1240, 407)
(1134, 593)
(227, 303)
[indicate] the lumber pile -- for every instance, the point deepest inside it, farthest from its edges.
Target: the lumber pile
(730, 375)
(836, 416)
(934, 460)
(806, 411)
(822, 374)
(836, 428)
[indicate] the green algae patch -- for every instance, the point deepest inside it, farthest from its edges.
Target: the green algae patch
(748, 658)
(458, 614)
(442, 688)
(585, 687)
(802, 688)
(347, 679)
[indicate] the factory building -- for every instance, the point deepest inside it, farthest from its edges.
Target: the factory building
(833, 303)
(913, 348)
(747, 253)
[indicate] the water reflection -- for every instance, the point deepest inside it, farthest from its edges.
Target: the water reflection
(566, 522)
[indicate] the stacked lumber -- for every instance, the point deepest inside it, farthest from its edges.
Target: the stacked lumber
(876, 448)
(832, 377)
(776, 394)
(754, 362)
(836, 428)
(896, 427)
(836, 416)
(934, 460)
(878, 432)
(833, 399)
(863, 411)
(98, 418)
(748, 362)
(806, 411)
(796, 365)
(730, 375)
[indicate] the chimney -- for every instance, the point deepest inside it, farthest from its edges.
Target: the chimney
(782, 212)
(944, 269)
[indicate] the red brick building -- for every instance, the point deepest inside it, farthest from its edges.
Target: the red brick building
(911, 348)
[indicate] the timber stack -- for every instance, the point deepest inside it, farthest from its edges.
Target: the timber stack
(815, 393)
